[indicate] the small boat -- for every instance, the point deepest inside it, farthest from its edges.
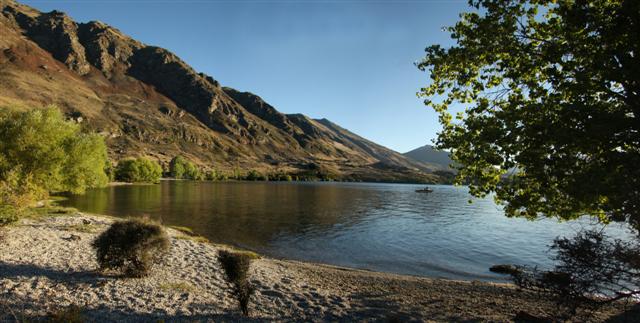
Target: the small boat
(424, 190)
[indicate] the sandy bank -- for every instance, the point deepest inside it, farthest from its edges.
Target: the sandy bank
(47, 263)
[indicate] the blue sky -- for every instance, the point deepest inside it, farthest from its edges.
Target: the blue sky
(348, 61)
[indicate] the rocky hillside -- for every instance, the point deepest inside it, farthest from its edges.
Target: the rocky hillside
(147, 101)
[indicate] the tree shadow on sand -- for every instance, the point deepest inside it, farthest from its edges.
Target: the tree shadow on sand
(631, 314)
(69, 277)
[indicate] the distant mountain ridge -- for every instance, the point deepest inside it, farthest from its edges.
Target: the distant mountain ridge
(428, 154)
(147, 101)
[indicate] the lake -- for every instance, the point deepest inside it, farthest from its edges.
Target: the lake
(382, 227)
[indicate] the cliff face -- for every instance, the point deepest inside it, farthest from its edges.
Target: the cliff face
(146, 100)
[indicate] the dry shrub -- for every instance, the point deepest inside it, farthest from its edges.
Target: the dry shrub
(591, 270)
(236, 267)
(131, 246)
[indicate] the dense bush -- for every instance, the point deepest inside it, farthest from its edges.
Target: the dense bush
(176, 167)
(181, 168)
(254, 175)
(41, 152)
(8, 214)
(215, 175)
(139, 170)
(236, 267)
(131, 247)
(110, 171)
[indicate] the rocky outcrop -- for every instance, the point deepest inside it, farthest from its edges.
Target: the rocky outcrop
(174, 78)
(56, 33)
(106, 48)
(261, 109)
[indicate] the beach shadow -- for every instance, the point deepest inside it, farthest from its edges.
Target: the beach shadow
(30, 271)
(377, 307)
(631, 314)
(105, 314)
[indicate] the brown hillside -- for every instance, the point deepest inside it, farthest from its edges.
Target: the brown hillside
(146, 101)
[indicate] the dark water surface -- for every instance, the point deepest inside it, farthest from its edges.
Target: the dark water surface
(383, 227)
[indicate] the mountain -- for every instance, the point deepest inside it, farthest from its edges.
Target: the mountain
(147, 101)
(428, 154)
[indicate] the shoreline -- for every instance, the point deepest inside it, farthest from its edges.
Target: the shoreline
(47, 265)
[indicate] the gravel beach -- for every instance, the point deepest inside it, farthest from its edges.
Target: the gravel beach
(47, 264)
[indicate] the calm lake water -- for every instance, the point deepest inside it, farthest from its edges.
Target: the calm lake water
(382, 227)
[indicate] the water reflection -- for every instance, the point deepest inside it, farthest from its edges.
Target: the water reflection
(385, 227)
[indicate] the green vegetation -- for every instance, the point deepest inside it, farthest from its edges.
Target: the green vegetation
(236, 267)
(182, 287)
(216, 175)
(181, 168)
(254, 175)
(185, 230)
(41, 152)
(131, 247)
(8, 215)
(550, 126)
(550, 97)
(110, 171)
(138, 170)
(194, 238)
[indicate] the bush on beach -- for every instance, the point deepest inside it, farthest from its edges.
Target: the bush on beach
(131, 246)
(236, 267)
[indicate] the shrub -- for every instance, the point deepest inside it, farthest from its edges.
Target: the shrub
(236, 268)
(181, 168)
(191, 171)
(8, 215)
(592, 270)
(215, 175)
(139, 170)
(254, 175)
(110, 171)
(131, 246)
(211, 175)
(176, 167)
(41, 152)
(282, 177)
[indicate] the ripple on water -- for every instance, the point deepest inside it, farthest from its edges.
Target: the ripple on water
(385, 227)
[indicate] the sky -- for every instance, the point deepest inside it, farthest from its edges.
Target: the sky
(349, 61)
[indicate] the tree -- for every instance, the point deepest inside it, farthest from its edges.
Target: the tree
(551, 99)
(41, 152)
(139, 170)
(181, 168)
(254, 175)
(191, 171)
(176, 167)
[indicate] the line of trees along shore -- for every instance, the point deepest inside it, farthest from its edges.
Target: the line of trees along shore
(147, 170)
